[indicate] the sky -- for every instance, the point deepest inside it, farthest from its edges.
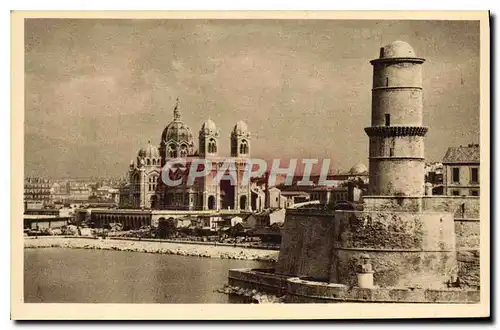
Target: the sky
(96, 91)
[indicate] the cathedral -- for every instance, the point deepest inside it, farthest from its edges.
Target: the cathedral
(146, 189)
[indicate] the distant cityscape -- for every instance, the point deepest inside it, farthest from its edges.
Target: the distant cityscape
(54, 205)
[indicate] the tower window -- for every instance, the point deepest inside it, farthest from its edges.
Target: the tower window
(387, 119)
(386, 81)
(391, 152)
(243, 147)
(212, 146)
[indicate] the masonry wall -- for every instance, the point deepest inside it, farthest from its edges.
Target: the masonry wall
(403, 104)
(400, 74)
(466, 211)
(406, 249)
(396, 176)
(306, 246)
(388, 203)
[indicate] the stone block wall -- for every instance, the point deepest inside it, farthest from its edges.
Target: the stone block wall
(466, 210)
(384, 203)
(407, 249)
(453, 204)
(307, 240)
(394, 176)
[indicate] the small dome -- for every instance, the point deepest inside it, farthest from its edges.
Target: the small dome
(397, 49)
(150, 151)
(209, 127)
(240, 128)
(358, 169)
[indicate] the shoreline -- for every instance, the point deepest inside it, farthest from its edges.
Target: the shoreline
(160, 247)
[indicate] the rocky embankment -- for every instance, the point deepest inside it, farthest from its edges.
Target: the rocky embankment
(252, 296)
(204, 251)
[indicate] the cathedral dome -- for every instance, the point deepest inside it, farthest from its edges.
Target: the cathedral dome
(240, 128)
(177, 131)
(149, 151)
(358, 169)
(397, 49)
(208, 127)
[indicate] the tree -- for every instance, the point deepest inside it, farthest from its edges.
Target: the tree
(167, 228)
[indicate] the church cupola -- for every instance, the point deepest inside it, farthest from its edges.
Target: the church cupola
(208, 139)
(240, 140)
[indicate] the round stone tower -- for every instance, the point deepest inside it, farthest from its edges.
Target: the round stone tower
(396, 154)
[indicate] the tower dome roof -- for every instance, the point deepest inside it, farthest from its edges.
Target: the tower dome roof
(176, 130)
(397, 49)
(240, 128)
(149, 151)
(358, 169)
(208, 127)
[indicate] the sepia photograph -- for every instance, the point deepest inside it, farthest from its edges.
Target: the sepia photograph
(233, 160)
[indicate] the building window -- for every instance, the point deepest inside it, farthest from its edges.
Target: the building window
(243, 147)
(456, 174)
(387, 119)
(455, 192)
(474, 192)
(474, 175)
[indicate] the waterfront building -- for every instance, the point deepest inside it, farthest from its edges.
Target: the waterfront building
(36, 191)
(461, 170)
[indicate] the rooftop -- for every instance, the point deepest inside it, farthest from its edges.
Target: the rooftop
(462, 154)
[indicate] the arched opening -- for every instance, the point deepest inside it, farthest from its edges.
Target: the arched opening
(148, 161)
(211, 202)
(169, 199)
(212, 146)
(253, 204)
(153, 201)
(172, 151)
(183, 151)
(244, 147)
(243, 202)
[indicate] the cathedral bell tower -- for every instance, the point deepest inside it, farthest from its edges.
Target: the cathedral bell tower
(208, 139)
(240, 140)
